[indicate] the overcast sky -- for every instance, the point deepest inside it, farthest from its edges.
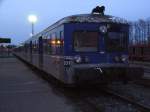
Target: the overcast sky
(14, 13)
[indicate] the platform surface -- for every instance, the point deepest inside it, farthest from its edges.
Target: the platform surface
(21, 90)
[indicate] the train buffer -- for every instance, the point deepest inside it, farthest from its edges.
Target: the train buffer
(23, 91)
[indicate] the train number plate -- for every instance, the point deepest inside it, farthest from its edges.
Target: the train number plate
(67, 63)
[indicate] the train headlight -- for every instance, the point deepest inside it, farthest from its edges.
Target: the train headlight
(78, 59)
(86, 59)
(124, 58)
(117, 59)
(103, 29)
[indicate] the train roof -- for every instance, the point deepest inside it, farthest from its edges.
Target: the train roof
(83, 18)
(88, 18)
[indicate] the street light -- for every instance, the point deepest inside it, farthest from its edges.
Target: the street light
(32, 19)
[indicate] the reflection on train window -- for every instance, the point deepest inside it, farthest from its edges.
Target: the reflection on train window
(49, 44)
(45, 46)
(34, 47)
(85, 41)
(61, 42)
(53, 43)
(116, 41)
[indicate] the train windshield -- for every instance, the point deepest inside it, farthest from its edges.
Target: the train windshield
(117, 41)
(85, 41)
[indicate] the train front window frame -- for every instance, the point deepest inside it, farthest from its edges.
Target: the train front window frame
(117, 39)
(82, 41)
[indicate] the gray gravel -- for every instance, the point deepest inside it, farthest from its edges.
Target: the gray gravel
(137, 92)
(111, 104)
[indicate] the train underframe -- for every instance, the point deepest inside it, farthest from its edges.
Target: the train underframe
(81, 74)
(103, 75)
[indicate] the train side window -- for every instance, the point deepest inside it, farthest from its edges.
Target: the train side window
(57, 44)
(61, 42)
(40, 41)
(45, 48)
(26, 47)
(34, 47)
(53, 43)
(31, 47)
(37, 46)
(49, 47)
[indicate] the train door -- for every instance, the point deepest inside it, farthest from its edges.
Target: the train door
(40, 52)
(30, 52)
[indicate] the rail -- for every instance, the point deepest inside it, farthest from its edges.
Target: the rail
(130, 100)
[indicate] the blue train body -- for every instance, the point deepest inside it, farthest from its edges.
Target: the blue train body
(101, 55)
(84, 48)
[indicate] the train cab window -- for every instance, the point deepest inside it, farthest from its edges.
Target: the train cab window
(116, 41)
(85, 41)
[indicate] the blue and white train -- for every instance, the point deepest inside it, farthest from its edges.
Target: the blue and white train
(82, 49)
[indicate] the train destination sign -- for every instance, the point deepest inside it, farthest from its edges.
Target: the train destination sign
(5, 40)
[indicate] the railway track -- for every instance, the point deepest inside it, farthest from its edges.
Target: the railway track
(108, 100)
(96, 100)
(146, 69)
(133, 94)
(91, 104)
(142, 107)
(112, 99)
(144, 82)
(111, 104)
(146, 66)
(141, 63)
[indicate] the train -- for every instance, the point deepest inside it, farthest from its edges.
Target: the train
(82, 49)
(139, 52)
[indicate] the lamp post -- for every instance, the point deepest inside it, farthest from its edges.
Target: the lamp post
(32, 19)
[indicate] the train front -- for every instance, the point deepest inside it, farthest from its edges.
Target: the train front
(99, 53)
(116, 66)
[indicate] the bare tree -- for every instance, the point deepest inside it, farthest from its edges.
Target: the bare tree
(148, 30)
(140, 32)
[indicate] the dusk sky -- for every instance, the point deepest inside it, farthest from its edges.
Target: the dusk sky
(14, 13)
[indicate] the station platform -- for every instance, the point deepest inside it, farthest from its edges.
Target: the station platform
(21, 90)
